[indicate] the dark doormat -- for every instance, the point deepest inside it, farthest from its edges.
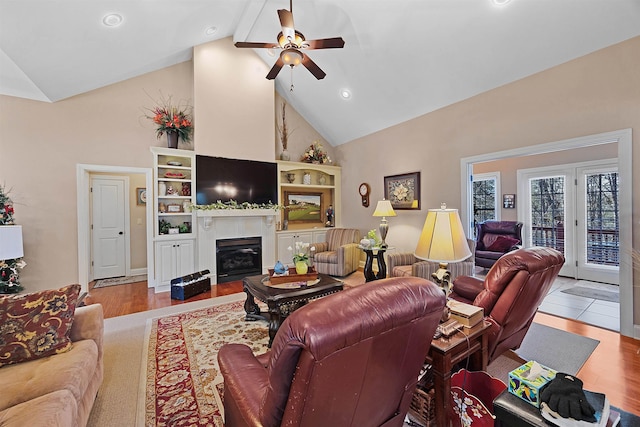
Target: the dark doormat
(601, 294)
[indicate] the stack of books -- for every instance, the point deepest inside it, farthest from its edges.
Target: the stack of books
(605, 416)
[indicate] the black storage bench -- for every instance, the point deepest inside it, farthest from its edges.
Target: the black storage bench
(185, 287)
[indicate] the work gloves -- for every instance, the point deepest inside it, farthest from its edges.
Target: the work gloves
(564, 395)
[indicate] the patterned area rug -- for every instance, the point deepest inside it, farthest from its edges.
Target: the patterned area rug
(103, 283)
(594, 290)
(182, 381)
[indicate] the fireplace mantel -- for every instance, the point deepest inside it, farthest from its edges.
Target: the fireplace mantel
(218, 224)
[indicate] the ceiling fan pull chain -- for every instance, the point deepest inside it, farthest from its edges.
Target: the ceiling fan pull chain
(291, 88)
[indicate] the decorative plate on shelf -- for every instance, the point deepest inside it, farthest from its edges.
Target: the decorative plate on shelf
(177, 175)
(173, 163)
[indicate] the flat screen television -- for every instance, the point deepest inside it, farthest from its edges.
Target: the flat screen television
(219, 178)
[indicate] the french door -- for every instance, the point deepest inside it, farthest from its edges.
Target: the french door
(574, 209)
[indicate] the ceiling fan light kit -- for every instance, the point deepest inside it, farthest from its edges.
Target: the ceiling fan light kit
(292, 42)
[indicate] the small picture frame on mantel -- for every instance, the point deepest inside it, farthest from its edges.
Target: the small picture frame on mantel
(509, 201)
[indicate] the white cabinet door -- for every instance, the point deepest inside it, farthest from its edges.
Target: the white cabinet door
(185, 258)
(174, 259)
(287, 240)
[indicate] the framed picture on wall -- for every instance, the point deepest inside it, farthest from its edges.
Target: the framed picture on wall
(509, 201)
(303, 206)
(403, 191)
(141, 198)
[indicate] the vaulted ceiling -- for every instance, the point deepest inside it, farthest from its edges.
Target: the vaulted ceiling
(402, 58)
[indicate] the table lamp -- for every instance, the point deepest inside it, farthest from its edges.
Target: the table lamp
(11, 242)
(443, 241)
(384, 209)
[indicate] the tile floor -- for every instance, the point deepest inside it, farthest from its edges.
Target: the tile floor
(595, 312)
(603, 314)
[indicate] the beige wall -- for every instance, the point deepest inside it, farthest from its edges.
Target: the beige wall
(597, 93)
(508, 168)
(233, 108)
(41, 144)
(301, 134)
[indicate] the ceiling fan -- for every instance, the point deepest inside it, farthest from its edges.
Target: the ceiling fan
(292, 42)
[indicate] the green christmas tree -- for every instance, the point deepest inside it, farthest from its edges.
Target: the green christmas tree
(9, 277)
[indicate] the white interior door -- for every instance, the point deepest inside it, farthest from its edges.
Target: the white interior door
(108, 227)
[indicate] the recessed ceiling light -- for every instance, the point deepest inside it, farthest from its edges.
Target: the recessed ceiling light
(500, 2)
(211, 30)
(271, 52)
(345, 93)
(112, 20)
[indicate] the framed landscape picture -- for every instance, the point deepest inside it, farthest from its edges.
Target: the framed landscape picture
(403, 191)
(302, 206)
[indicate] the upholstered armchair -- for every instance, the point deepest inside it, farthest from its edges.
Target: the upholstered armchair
(348, 359)
(339, 255)
(406, 264)
(496, 238)
(511, 293)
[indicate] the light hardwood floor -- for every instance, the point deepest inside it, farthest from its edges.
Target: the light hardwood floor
(613, 368)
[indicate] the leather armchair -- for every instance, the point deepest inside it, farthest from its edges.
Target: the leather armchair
(496, 238)
(339, 255)
(348, 359)
(406, 264)
(511, 293)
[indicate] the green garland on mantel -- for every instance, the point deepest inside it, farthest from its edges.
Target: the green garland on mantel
(232, 204)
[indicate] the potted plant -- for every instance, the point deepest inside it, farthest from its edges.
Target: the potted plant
(174, 120)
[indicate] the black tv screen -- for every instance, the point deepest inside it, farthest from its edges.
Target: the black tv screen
(219, 178)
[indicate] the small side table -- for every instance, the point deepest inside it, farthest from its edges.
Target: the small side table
(446, 352)
(376, 253)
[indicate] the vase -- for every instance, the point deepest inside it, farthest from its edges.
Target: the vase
(162, 189)
(306, 178)
(322, 180)
(172, 138)
(302, 267)
(285, 155)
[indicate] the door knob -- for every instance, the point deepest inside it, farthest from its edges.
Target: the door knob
(121, 233)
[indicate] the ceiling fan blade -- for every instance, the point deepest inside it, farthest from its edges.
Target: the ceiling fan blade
(256, 45)
(275, 69)
(286, 21)
(313, 67)
(330, 43)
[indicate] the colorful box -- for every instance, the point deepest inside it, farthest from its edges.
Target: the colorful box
(526, 388)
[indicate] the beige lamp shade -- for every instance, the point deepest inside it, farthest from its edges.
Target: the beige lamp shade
(442, 238)
(384, 208)
(11, 242)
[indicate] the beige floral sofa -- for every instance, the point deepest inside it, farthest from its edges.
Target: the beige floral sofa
(50, 373)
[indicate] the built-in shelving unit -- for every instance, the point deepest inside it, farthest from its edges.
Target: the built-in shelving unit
(173, 194)
(296, 178)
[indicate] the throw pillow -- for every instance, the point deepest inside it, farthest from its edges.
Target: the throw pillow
(36, 325)
(503, 244)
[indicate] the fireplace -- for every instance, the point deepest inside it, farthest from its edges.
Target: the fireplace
(237, 258)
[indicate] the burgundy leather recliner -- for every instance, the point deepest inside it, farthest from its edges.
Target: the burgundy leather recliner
(496, 238)
(348, 359)
(511, 293)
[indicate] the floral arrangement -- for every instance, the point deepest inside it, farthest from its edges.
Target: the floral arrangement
(9, 276)
(302, 251)
(170, 118)
(316, 154)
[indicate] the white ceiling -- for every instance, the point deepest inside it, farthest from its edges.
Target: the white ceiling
(402, 58)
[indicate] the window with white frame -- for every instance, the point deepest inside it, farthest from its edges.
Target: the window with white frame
(485, 197)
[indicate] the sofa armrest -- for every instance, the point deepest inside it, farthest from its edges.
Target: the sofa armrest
(88, 323)
(468, 287)
(396, 259)
(320, 247)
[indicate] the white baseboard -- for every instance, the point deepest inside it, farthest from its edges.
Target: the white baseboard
(138, 271)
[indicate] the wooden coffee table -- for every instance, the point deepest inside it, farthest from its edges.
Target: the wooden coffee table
(283, 299)
(445, 353)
